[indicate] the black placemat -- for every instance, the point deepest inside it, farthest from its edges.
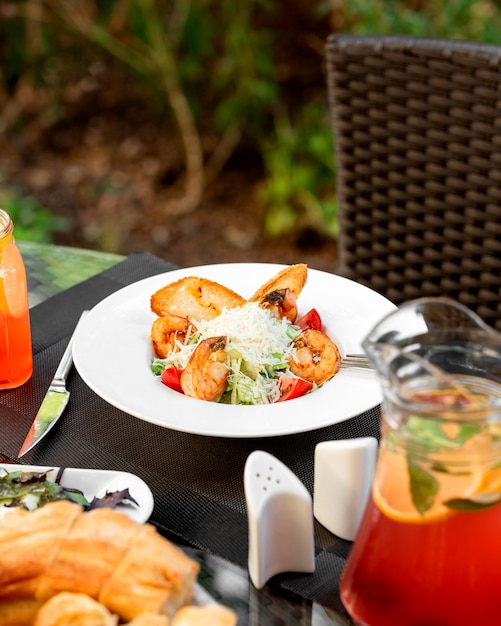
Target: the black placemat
(197, 481)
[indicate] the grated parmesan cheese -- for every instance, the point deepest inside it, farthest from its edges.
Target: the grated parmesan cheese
(252, 330)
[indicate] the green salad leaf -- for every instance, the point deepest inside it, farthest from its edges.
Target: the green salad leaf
(31, 490)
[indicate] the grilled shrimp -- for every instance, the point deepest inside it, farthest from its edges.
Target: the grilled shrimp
(281, 303)
(206, 373)
(167, 331)
(316, 358)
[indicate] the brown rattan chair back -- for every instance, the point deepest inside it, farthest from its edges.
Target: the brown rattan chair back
(417, 127)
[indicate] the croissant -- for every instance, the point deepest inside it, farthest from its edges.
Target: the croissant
(127, 567)
(77, 609)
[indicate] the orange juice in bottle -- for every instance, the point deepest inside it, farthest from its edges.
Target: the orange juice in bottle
(16, 357)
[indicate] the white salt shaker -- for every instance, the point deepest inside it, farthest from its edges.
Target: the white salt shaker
(280, 517)
(343, 474)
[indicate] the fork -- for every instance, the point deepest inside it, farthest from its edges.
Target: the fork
(359, 361)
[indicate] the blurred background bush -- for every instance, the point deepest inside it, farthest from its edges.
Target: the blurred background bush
(129, 124)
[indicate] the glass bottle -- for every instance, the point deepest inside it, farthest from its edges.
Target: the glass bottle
(16, 356)
(428, 551)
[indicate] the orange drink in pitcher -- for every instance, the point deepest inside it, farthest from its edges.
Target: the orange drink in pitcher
(16, 360)
(428, 551)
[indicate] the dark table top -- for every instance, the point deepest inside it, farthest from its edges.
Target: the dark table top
(54, 270)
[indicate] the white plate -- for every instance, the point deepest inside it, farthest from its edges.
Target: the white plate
(93, 482)
(112, 353)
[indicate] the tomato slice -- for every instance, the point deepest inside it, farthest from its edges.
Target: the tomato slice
(293, 388)
(171, 376)
(310, 320)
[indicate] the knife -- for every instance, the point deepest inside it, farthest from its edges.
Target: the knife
(55, 399)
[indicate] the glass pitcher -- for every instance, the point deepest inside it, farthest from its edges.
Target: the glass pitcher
(428, 551)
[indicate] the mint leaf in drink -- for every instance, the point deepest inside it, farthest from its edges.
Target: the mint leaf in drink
(475, 503)
(436, 433)
(423, 485)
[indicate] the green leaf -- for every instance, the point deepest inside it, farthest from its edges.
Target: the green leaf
(75, 496)
(157, 366)
(440, 467)
(424, 486)
(477, 503)
(430, 432)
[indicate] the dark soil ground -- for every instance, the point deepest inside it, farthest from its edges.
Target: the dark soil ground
(108, 165)
(106, 186)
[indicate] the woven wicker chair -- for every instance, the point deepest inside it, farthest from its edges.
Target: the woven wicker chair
(417, 126)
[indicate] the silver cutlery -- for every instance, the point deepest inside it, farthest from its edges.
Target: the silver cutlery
(54, 402)
(359, 361)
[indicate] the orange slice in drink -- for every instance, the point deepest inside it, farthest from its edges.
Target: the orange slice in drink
(392, 490)
(491, 481)
(11, 302)
(12, 288)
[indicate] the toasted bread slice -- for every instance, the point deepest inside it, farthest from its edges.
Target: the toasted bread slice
(292, 277)
(194, 298)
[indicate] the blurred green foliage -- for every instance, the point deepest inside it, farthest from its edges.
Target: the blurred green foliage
(214, 66)
(299, 158)
(476, 20)
(299, 186)
(32, 221)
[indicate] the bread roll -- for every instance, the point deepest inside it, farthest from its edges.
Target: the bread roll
(212, 615)
(150, 619)
(88, 554)
(126, 566)
(60, 566)
(18, 612)
(29, 542)
(153, 576)
(74, 609)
